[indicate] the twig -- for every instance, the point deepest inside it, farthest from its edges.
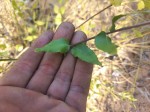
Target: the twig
(93, 16)
(129, 27)
(118, 30)
(8, 59)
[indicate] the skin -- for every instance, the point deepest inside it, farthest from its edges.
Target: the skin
(47, 82)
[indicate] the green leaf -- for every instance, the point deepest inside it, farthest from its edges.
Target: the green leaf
(62, 10)
(58, 19)
(85, 54)
(39, 23)
(60, 1)
(138, 33)
(16, 8)
(114, 20)
(116, 2)
(105, 44)
(141, 5)
(30, 38)
(60, 45)
(14, 4)
(35, 4)
(56, 9)
(4, 53)
(19, 47)
(147, 4)
(2, 46)
(31, 30)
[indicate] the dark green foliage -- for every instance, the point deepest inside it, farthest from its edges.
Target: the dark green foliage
(104, 43)
(61, 46)
(114, 20)
(84, 53)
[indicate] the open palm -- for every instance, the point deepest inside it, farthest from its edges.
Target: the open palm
(46, 82)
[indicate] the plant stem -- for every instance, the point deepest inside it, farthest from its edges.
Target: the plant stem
(130, 27)
(93, 16)
(118, 30)
(8, 59)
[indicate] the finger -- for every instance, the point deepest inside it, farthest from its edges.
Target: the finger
(51, 62)
(23, 69)
(79, 88)
(60, 86)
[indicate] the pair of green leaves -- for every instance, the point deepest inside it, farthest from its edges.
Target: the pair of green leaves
(62, 46)
(81, 51)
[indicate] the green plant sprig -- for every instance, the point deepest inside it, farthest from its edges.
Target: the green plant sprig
(118, 30)
(83, 52)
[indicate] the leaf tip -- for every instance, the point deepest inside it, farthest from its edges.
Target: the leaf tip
(99, 63)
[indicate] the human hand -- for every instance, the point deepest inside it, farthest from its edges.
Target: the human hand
(47, 82)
